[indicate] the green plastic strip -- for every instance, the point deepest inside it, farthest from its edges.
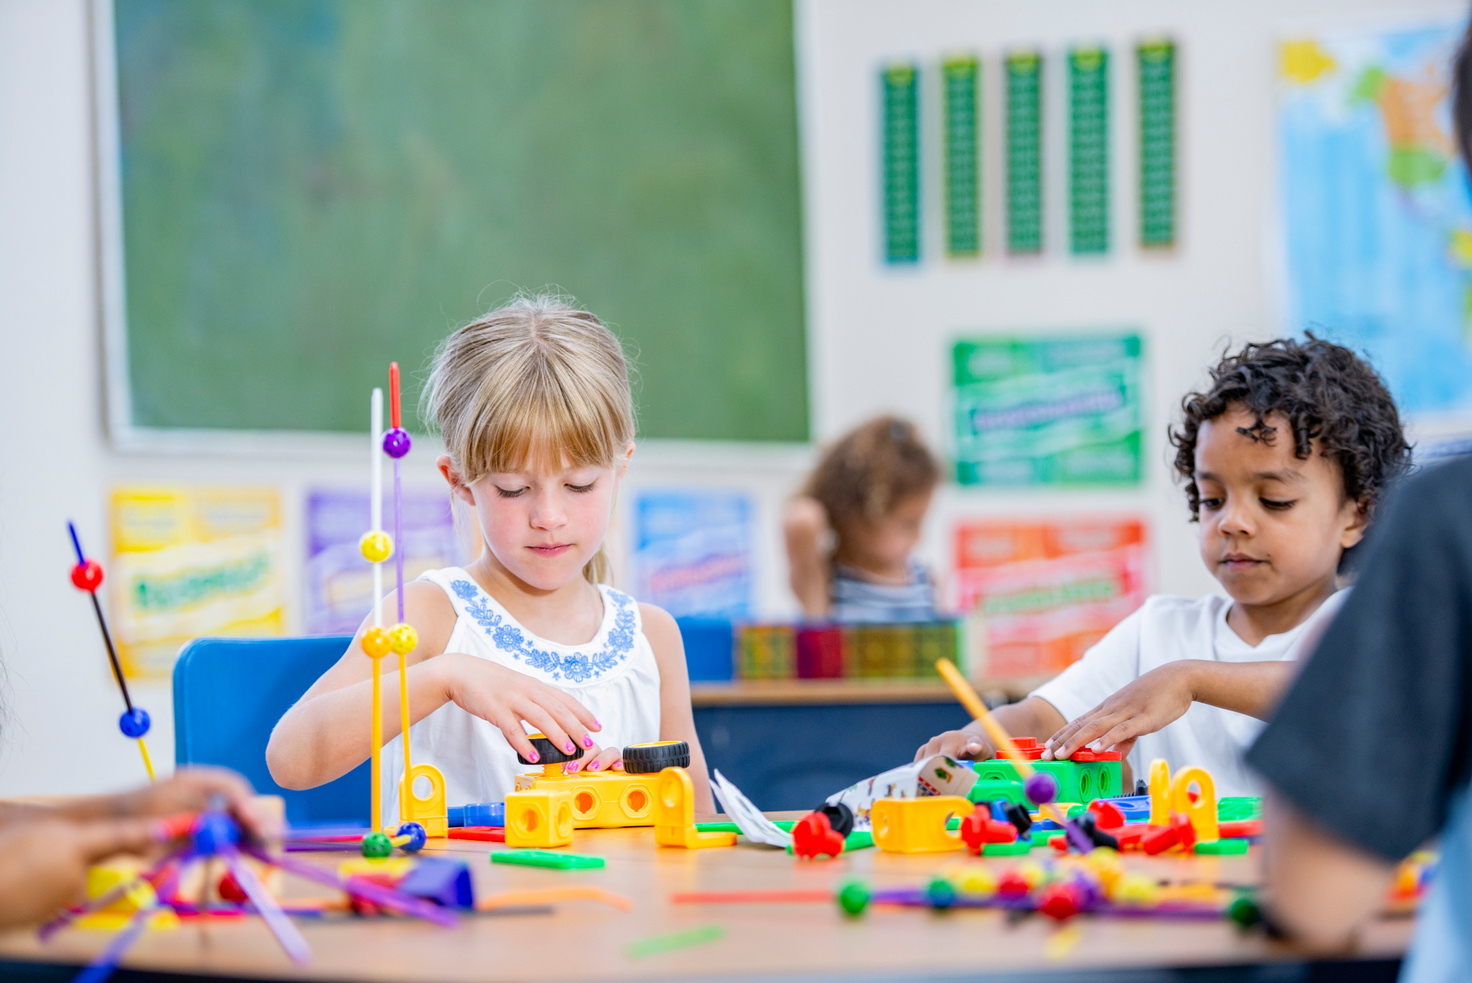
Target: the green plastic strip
(901, 164)
(783, 824)
(1223, 847)
(1024, 72)
(656, 944)
(548, 859)
(1157, 71)
(1088, 150)
(1016, 848)
(963, 168)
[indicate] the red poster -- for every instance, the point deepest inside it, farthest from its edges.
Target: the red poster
(1048, 590)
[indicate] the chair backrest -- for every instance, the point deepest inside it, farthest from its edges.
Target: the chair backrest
(229, 693)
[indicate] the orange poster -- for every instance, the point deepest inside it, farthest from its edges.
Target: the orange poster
(1048, 590)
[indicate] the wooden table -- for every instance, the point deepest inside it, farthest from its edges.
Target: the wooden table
(588, 941)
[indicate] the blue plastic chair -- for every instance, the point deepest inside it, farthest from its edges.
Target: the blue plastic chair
(229, 693)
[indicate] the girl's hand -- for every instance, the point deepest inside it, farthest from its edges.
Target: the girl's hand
(187, 790)
(959, 744)
(598, 759)
(1143, 707)
(505, 698)
(43, 864)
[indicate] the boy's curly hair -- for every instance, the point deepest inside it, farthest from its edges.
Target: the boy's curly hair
(1327, 392)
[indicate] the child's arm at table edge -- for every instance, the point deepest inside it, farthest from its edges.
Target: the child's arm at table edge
(1318, 887)
(676, 719)
(326, 734)
(803, 527)
(1164, 694)
(1030, 717)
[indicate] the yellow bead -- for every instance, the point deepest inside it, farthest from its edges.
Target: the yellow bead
(1137, 889)
(402, 638)
(976, 879)
(376, 643)
(376, 546)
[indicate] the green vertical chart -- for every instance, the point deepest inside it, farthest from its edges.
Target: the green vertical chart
(1157, 70)
(1024, 72)
(901, 164)
(963, 174)
(1088, 150)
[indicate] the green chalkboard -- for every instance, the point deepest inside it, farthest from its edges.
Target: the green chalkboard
(310, 188)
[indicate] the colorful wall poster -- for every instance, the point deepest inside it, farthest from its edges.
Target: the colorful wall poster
(1023, 72)
(192, 561)
(1057, 410)
(1048, 590)
(1088, 150)
(337, 582)
(693, 551)
(1155, 67)
(1376, 215)
(962, 84)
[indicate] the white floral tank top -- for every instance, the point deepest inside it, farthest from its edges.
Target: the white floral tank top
(614, 675)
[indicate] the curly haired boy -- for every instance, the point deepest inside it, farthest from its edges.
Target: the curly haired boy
(1284, 459)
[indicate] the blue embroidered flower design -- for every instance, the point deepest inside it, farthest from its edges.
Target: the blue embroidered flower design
(573, 667)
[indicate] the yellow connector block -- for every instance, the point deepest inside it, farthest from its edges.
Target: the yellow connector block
(918, 825)
(106, 876)
(539, 817)
(601, 799)
(428, 810)
(674, 814)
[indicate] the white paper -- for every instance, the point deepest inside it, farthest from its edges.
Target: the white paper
(748, 818)
(936, 775)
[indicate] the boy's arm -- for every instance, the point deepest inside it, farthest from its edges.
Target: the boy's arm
(1032, 717)
(1162, 695)
(802, 530)
(1319, 887)
(676, 720)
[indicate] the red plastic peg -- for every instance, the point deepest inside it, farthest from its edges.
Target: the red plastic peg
(979, 829)
(814, 836)
(1060, 901)
(1107, 815)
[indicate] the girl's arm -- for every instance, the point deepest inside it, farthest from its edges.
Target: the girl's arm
(327, 733)
(803, 529)
(676, 722)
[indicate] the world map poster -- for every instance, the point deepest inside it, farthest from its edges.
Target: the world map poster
(1376, 216)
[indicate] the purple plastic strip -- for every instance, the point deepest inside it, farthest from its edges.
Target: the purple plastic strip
(399, 538)
(358, 887)
(276, 920)
(107, 960)
(115, 893)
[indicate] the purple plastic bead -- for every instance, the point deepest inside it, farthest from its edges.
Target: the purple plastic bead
(396, 442)
(1041, 788)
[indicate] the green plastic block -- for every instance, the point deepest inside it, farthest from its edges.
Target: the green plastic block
(1078, 781)
(990, 790)
(1234, 808)
(547, 858)
(783, 824)
(1017, 848)
(1230, 845)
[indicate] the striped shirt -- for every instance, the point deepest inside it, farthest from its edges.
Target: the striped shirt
(853, 599)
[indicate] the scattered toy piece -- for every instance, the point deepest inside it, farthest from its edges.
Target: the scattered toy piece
(547, 858)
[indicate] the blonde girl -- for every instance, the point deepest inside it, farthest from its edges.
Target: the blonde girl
(533, 403)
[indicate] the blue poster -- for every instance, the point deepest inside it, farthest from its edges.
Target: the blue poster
(693, 551)
(1376, 213)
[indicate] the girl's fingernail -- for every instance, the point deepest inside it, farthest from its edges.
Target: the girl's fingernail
(619, 765)
(569, 747)
(593, 766)
(572, 766)
(530, 757)
(587, 742)
(597, 725)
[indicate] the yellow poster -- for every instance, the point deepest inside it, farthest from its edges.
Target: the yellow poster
(192, 561)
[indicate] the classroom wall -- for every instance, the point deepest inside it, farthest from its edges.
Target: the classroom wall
(878, 337)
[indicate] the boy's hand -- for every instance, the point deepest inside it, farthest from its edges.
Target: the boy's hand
(505, 698)
(1143, 707)
(598, 759)
(959, 744)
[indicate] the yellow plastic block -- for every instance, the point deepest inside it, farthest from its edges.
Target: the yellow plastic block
(428, 811)
(106, 876)
(375, 866)
(674, 814)
(918, 825)
(539, 817)
(1159, 792)
(602, 799)
(1203, 811)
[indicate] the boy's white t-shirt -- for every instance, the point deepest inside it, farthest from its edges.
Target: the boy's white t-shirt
(1168, 628)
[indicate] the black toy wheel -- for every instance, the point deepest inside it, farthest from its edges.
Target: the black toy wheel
(645, 759)
(550, 753)
(840, 818)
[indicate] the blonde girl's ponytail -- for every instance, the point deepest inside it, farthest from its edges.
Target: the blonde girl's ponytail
(529, 385)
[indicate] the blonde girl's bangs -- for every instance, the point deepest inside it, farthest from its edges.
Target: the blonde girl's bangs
(545, 428)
